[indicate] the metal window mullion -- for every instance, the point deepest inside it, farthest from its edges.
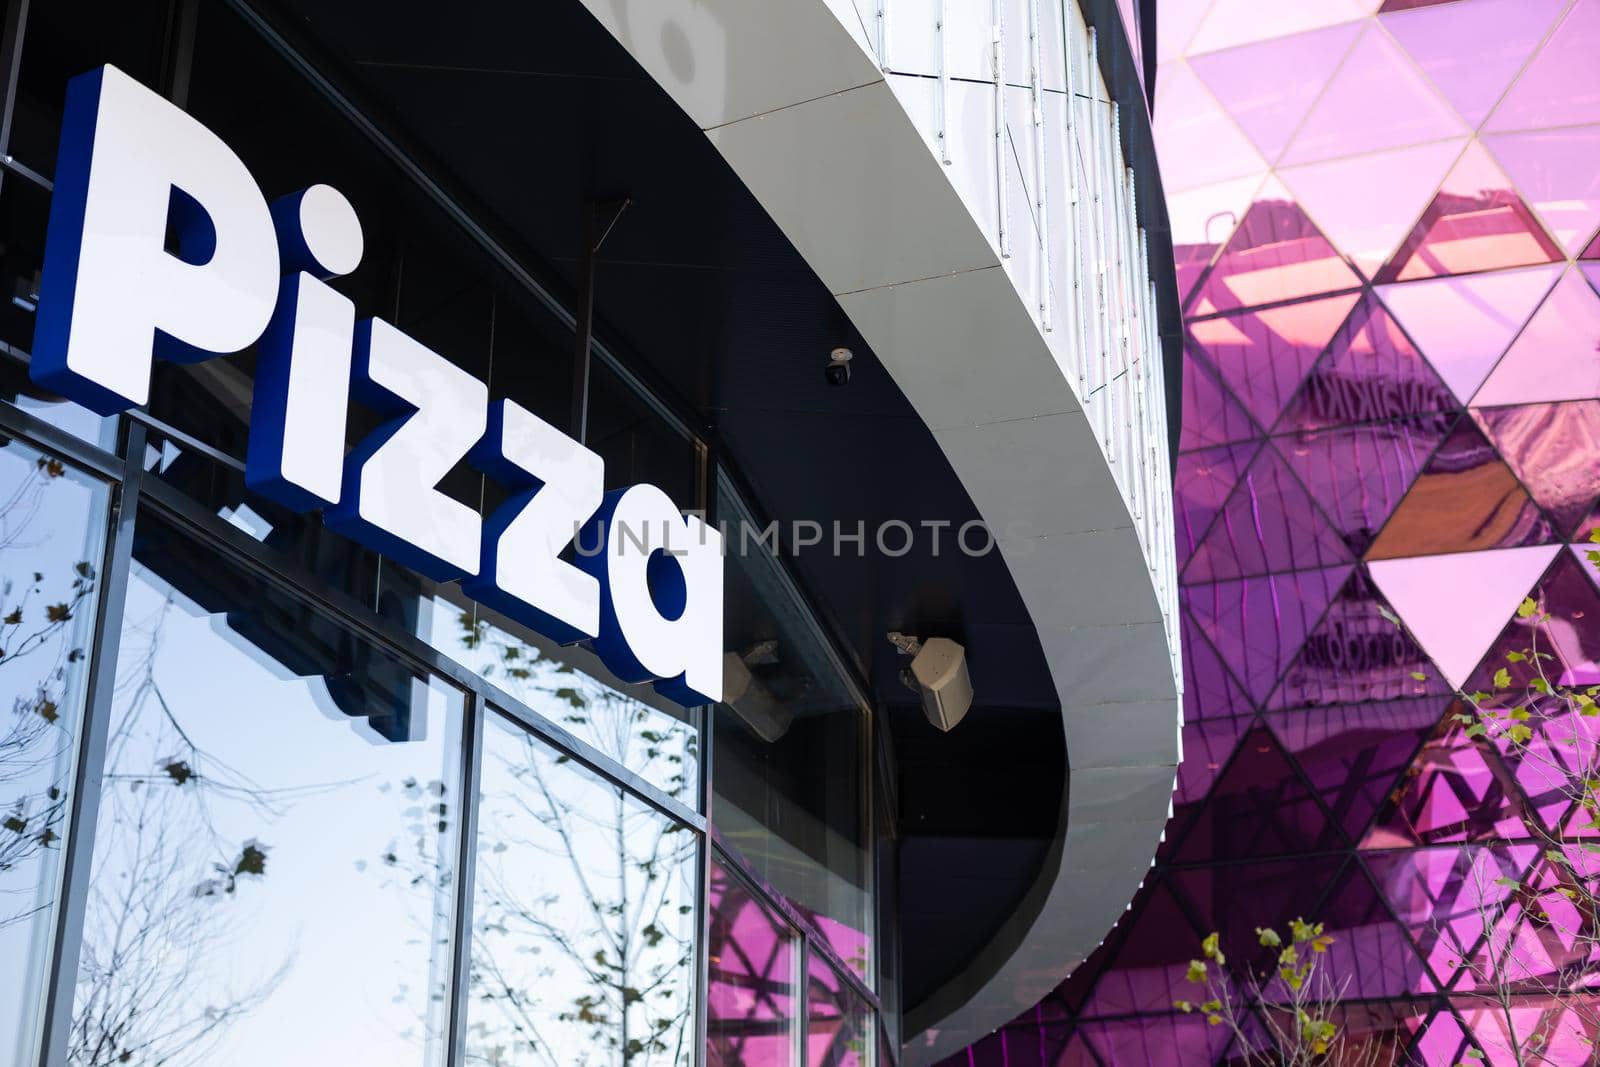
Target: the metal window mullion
(1071, 157)
(942, 93)
(465, 877)
(1041, 164)
(89, 761)
(997, 54)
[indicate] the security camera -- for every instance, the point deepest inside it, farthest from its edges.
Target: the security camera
(838, 369)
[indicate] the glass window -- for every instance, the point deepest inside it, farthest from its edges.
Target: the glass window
(52, 540)
(752, 1013)
(274, 854)
(583, 917)
(790, 751)
(839, 1029)
(632, 724)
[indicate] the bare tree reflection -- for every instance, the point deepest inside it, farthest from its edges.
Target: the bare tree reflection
(583, 915)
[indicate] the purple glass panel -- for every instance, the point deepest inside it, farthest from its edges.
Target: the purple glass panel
(1455, 605)
(1359, 474)
(1444, 1043)
(1199, 144)
(1558, 174)
(1276, 254)
(1370, 372)
(1377, 100)
(1146, 971)
(1353, 755)
(839, 1024)
(1258, 624)
(1357, 654)
(1202, 482)
(1167, 1040)
(1551, 448)
(1454, 790)
(1466, 500)
(1477, 222)
(1268, 87)
(751, 999)
(1446, 898)
(1207, 748)
(1559, 87)
(1464, 324)
(1268, 524)
(1472, 50)
(1554, 358)
(1217, 418)
(1258, 806)
(1264, 355)
(1370, 953)
(1233, 899)
(1210, 690)
(1399, 183)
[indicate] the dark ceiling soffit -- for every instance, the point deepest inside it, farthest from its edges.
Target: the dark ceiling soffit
(326, 71)
(1115, 55)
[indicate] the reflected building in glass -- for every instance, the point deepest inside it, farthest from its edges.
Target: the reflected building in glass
(1384, 221)
(885, 297)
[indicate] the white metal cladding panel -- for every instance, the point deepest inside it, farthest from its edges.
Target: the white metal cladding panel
(1037, 160)
(980, 232)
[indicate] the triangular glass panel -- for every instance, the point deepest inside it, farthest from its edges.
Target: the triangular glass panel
(1170, 1040)
(1201, 220)
(1357, 654)
(1232, 899)
(1592, 252)
(1267, 87)
(1370, 372)
(1268, 524)
(1554, 358)
(1467, 500)
(1444, 1040)
(1210, 690)
(1358, 474)
(1237, 22)
(1454, 790)
(1477, 222)
(1371, 955)
(1208, 746)
(1258, 624)
(1211, 416)
(1558, 88)
(1353, 754)
(1472, 51)
(1558, 174)
(1443, 896)
(1197, 144)
(1275, 255)
(1551, 448)
(1264, 355)
(1455, 605)
(1464, 324)
(1395, 187)
(1564, 1025)
(1563, 628)
(1146, 969)
(1201, 483)
(1259, 806)
(1377, 100)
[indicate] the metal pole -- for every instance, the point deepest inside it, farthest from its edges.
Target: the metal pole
(594, 235)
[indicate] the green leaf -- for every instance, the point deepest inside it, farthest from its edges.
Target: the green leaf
(1196, 972)
(1526, 609)
(1502, 679)
(1269, 937)
(1212, 948)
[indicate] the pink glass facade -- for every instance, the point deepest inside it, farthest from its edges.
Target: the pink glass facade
(1385, 217)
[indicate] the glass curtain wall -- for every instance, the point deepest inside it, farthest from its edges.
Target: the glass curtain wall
(265, 793)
